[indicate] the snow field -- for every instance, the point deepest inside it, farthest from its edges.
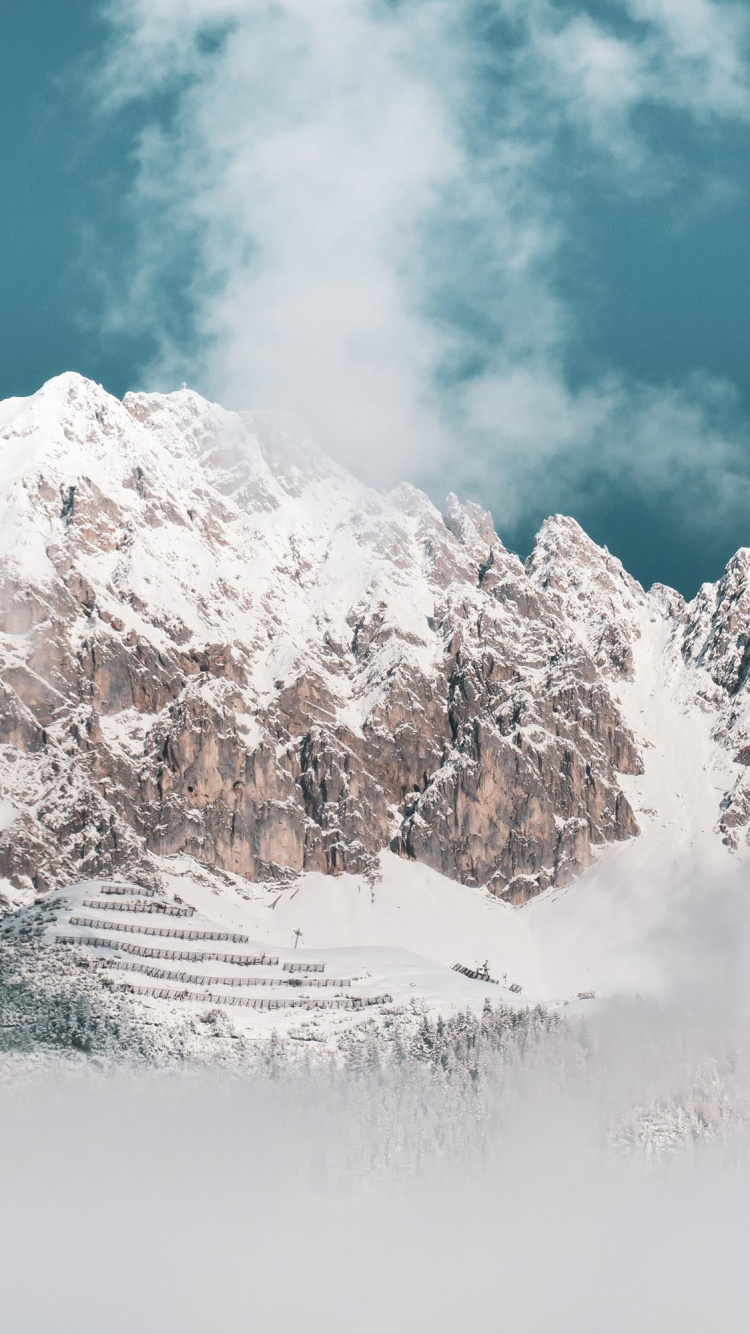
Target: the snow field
(298, 979)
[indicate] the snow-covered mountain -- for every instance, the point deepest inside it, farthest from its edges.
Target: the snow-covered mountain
(221, 652)
(216, 642)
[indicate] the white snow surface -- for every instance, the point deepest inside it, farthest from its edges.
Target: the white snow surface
(353, 963)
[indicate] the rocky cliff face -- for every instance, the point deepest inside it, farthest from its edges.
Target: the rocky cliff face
(713, 636)
(214, 641)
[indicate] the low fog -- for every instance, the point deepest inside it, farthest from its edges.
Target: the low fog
(592, 1179)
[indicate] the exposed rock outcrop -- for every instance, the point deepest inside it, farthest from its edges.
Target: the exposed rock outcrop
(714, 637)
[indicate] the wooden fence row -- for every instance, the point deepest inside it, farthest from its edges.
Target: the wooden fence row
(252, 1003)
(156, 905)
(201, 980)
(478, 974)
(172, 931)
(141, 890)
(153, 952)
(315, 982)
(303, 967)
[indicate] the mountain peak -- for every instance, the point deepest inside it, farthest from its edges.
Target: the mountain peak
(598, 597)
(68, 384)
(471, 524)
(715, 629)
(563, 550)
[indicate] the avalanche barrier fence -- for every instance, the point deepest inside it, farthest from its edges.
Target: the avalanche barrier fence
(167, 909)
(198, 978)
(478, 974)
(252, 1003)
(128, 890)
(172, 931)
(153, 952)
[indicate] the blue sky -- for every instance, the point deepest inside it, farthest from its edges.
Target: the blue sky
(502, 248)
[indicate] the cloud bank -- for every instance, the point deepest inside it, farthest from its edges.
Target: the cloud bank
(167, 1202)
(359, 210)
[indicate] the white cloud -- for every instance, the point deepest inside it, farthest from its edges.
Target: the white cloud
(703, 48)
(374, 214)
(305, 154)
